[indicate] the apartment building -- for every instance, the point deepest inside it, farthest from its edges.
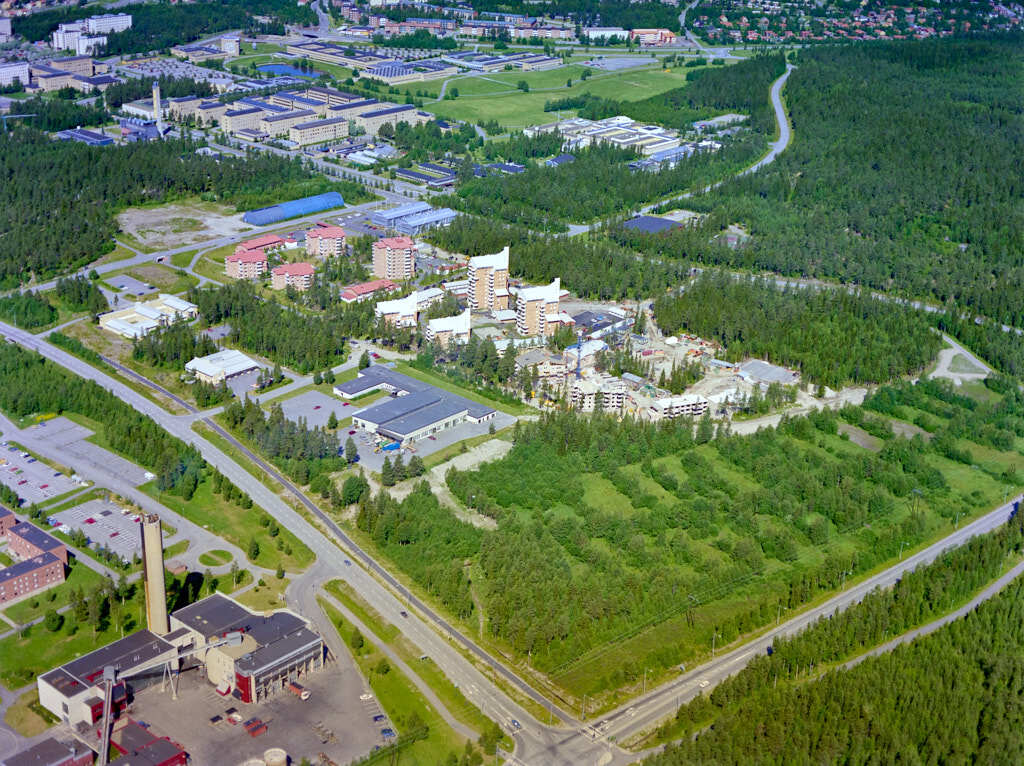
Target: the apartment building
(366, 290)
(671, 407)
(537, 310)
(297, 275)
(325, 241)
(604, 391)
(13, 70)
(548, 367)
(247, 264)
(447, 330)
(319, 131)
(281, 124)
(394, 258)
(405, 312)
(488, 282)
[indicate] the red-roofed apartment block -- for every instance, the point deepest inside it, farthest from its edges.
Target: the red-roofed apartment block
(365, 290)
(325, 241)
(246, 264)
(297, 275)
(265, 242)
(394, 258)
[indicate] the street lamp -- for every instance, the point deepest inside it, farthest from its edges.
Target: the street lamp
(901, 549)
(713, 637)
(646, 671)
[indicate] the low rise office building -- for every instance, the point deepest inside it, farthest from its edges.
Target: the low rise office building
(318, 131)
(142, 318)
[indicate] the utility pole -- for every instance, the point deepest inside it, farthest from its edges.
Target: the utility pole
(713, 637)
(901, 549)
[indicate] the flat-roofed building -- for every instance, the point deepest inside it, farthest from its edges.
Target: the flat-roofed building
(394, 258)
(276, 648)
(74, 691)
(488, 281)
(7, 520)
(210, 112)
(318, 131)
(247, 264)
(295, 275)
(366, 290)
(390, 217)
(30, 576)
(280, 124)
(49, 79)
(142, 318)
(349, 109)
(299, 100)
(372, 121)
(537, 309)
(600, 391)
(417, 409)
(14, 70)
(27, 541)
(50, 752)
(217, 368)
(325, 241)
(671, 407)
(330, 95)
(447, 330)
(247, 118)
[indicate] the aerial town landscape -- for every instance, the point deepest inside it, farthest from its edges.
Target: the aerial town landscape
(536, 383)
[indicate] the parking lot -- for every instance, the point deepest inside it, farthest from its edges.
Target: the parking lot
(316, 408)
(75, 450)
(33, 480)
(241, 385)
(333, 721)
(105, 524)
(130, 285)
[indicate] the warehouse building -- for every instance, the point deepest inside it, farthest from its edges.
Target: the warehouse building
(429, 219)
(83, 136)
(276, 649)
(389, 218)
(305, 206)
(217, 368)
(417, 409)
(142, 318)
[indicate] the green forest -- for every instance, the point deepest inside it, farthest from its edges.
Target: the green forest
(904, 175)
(833, 337)
(950, 697)
(58, 199)
(623, 545)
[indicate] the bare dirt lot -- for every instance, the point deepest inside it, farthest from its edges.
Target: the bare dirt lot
(181, 223)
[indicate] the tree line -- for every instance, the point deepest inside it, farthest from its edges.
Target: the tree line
(833, 337)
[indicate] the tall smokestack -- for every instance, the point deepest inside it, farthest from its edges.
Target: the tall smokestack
(153, 575)
(157, 111)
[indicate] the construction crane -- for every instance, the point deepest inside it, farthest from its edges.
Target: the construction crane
(5, 117)
(112, 676)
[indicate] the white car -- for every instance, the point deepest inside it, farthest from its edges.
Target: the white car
(365, 697)
(704, 684)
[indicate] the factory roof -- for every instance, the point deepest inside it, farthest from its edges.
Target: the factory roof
(85, 672)
(401, 211)
(428, 217)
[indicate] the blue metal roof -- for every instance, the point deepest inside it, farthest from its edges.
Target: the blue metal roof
(296, 207)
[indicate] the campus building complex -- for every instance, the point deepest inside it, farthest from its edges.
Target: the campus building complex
(488, 282)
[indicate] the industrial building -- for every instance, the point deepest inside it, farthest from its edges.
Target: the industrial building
(394, 258)
(219, 367)
(142, 318)
(405, 312)
(276, 649)
(50, 752)
(325, 241)
(247, 264)
(296, 275)
(305, 206)
(446, 330)
(416, 410)
(429, 219)
(388, 218)
(488, 281)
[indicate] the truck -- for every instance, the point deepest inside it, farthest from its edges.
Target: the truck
(298, 690)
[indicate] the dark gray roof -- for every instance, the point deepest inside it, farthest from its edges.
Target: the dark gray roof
(28, 565)
(34, 535)
(389, 110)
(49, 752)
(5, 512)
(132, 650)
(352, 105)
(155, 753)
(420, 405)
(649, 224)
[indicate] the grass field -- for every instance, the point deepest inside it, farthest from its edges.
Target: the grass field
(215, 558)
(27, 717)
(79, 576)
(119, 253)
(237, 525)
(266, 597)
(480, 97)
(162, 277)
(402, 701)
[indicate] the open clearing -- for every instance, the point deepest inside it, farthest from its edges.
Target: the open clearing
(162, 227)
